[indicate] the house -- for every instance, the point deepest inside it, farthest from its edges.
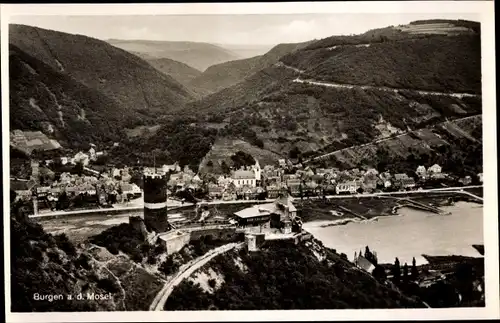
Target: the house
(116, 172)
(278, 214)
(466, 180)
(92, 154)
(308, 172)
(224, 181)
(405, 183)
(215, 191)
(399, 177)
(244, 177)
(385, 176)
(350, 187)
(287, 177)
(171, 168)
(282, 163)
(371, 171)
(248, 193)
(82, 158)
(131, 190)
(421, 172)
(317, 178)
(294, 186)
(274, 191)
(369, 183)
(363, 263)
(434, 169)
(229, 195)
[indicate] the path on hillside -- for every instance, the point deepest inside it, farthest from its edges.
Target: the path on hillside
(184, 272)
(379, 141)
(368, 87)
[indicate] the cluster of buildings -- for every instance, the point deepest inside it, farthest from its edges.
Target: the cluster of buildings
(104, 188)
(244, 183)
(80, 157)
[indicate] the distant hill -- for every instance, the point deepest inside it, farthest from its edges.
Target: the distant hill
(197, 55)
(247, 51)
(181, 72)
(81, 89)
(220, 76)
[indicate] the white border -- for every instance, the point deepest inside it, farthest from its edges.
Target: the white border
(486, 11)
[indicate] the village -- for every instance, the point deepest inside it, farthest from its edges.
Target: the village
(85, 183)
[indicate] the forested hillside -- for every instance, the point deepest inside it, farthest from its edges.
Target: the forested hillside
(42, 98)
(346, 91)
(141, 92)
(286, 276)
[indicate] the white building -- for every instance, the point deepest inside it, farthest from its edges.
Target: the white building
(92, 153)
(83, 158)
(421, 171)
(434, 169)
(244, 177)
(257, 170)
(347, 187)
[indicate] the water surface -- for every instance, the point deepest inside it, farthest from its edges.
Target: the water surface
(409, 235)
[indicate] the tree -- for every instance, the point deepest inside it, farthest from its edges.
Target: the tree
(396, 271)
(368, 254)
(414, 270)
(405, 273)
(294, 153)
(78, 169)
(225, 168)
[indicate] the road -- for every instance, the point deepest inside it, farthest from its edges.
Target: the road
(368, 87)
(365, 87)
(384, 139)
(186, 271)
(459, 190)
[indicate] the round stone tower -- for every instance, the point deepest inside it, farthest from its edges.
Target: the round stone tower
(155, 202)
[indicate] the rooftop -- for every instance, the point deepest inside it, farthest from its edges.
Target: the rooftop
(243, 174)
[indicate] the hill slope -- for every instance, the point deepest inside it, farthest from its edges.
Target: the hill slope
(283, 276)
(220, 76)
(183, 73)
(197, 55)
(141, 91)
(350, 90)
(44, 99)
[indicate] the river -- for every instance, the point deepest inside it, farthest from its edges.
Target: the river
(409, 234)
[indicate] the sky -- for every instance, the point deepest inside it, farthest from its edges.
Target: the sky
(255, 29)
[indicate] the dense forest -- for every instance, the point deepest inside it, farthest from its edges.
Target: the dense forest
(288, 276)
(436, 63)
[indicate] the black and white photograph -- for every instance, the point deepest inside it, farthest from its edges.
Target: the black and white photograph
(191, 158)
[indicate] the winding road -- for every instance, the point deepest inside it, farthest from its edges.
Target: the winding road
(368, 87)
(185, 271)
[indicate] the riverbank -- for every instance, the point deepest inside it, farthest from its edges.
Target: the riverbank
(411, 233)
(334, 210)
